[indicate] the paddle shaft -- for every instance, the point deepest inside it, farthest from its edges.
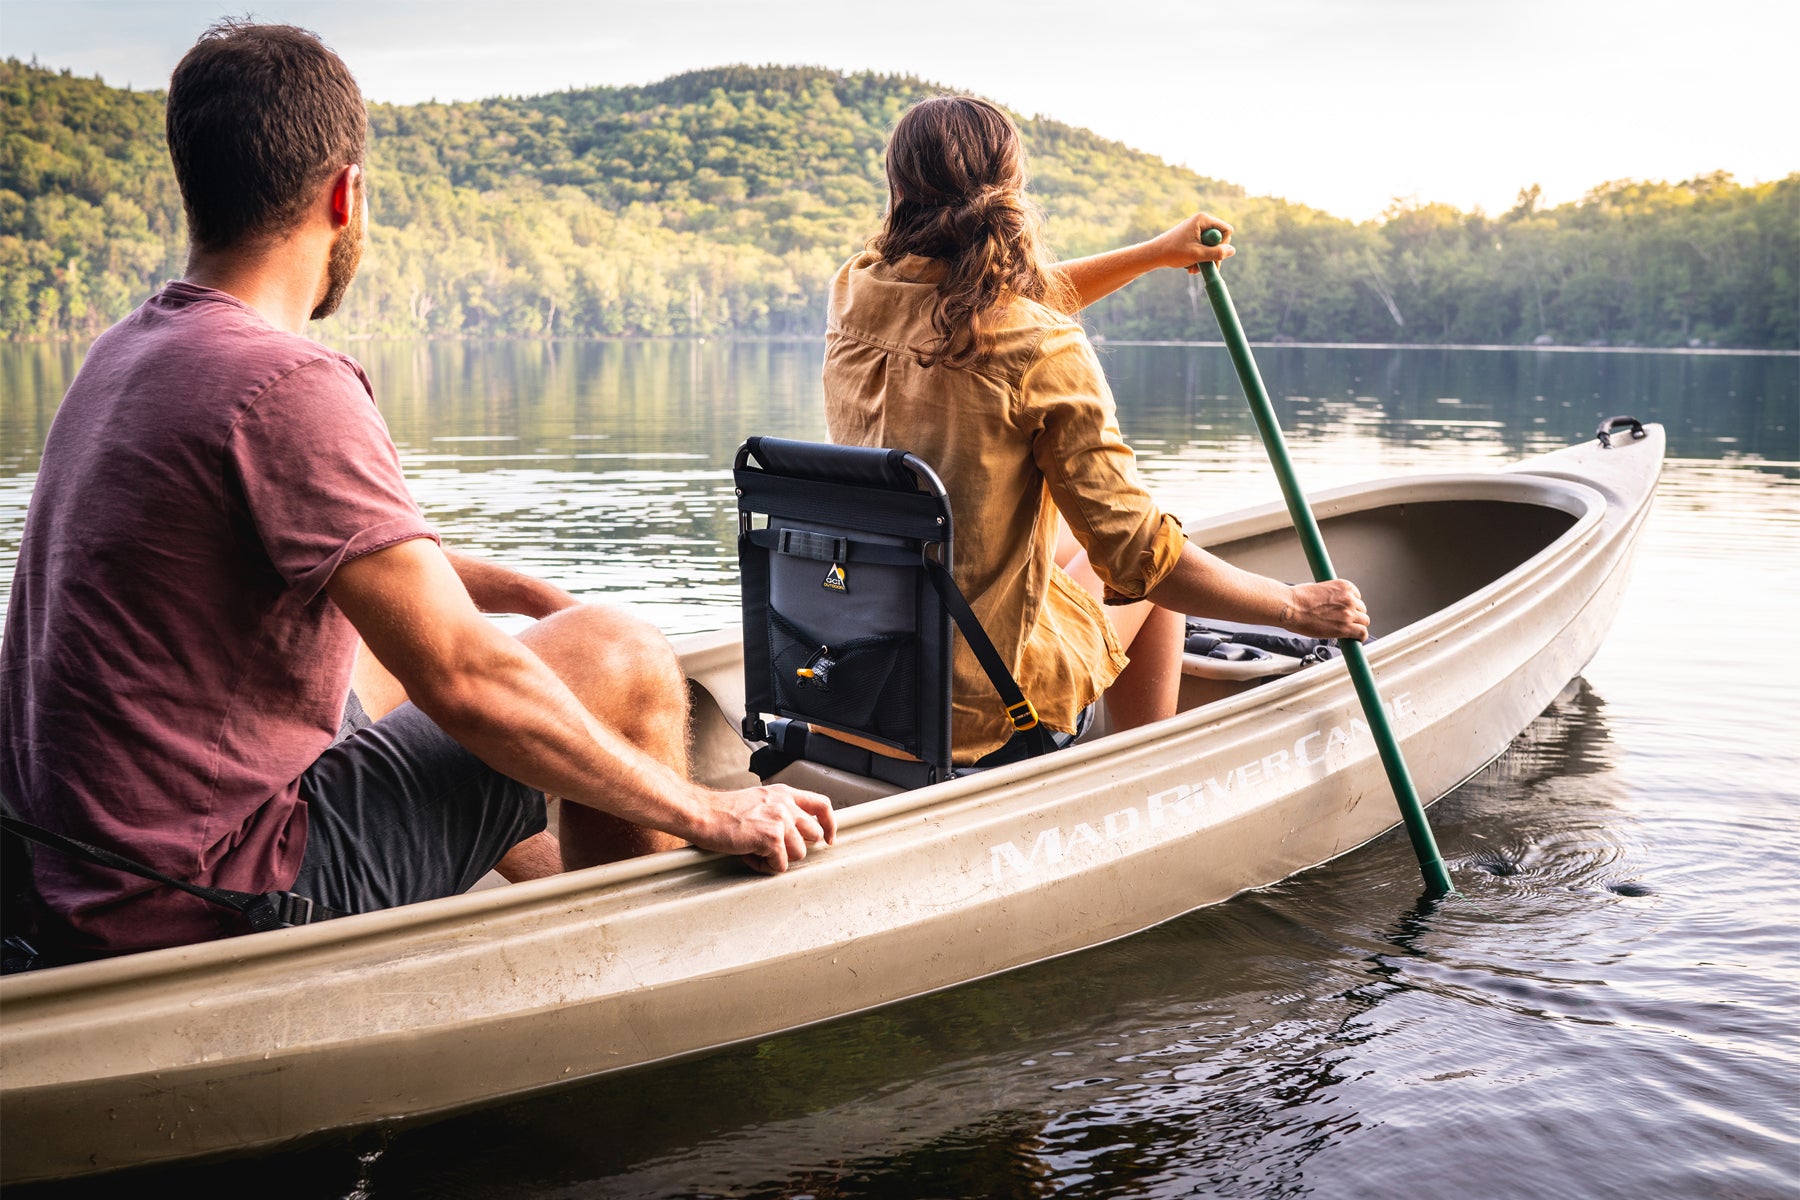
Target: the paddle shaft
(1431, 863)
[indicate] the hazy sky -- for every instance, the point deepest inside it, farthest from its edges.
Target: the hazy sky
(1342, 104)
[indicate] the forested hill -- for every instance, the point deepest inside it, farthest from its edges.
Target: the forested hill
(721, 201)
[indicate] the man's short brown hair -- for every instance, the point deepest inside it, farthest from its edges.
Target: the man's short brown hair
(259, 117)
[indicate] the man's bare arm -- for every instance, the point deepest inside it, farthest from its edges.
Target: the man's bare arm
(498, 589)
(1102, 274)
(490, 693)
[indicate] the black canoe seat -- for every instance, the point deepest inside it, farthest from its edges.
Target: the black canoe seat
(849, 607)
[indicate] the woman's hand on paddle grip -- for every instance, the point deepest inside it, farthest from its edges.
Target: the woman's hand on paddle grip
(770, 827)
(1181, 245)
(1333, 609)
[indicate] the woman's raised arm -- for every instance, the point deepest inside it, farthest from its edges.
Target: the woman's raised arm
(1098, 275)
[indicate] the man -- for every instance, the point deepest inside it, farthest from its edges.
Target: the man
(220, 514)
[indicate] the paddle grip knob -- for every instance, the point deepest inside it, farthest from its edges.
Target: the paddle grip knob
(1211, 237)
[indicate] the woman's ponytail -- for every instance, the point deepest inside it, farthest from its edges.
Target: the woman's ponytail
(956, 185)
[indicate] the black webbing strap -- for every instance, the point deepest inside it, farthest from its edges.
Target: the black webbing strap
(791, 741)
(1019, 710)
(800, 543)
(263, 910)
(821, 547)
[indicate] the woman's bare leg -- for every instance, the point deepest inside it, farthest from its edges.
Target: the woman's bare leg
(1149, 688)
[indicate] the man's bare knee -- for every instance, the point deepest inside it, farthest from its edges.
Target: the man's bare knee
(595, 645)
(623, 670)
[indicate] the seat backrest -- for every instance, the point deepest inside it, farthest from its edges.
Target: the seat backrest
(843, 627)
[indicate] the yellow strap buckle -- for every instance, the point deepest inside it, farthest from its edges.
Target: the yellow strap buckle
(1023, 715)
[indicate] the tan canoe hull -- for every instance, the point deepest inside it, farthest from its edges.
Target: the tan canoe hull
(252, 1042)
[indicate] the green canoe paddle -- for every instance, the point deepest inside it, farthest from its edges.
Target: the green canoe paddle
(1431, 864)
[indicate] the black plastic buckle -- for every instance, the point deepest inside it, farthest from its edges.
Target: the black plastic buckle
(279, 910)
(19, 955)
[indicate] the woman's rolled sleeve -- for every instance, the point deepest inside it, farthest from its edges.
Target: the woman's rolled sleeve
(1153, 566)
(1091, 472)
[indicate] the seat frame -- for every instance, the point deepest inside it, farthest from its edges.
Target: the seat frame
(845, 507)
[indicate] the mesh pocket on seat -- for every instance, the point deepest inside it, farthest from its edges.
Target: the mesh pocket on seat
(866, 683)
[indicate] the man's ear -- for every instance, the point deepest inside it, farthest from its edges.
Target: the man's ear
(344, 195)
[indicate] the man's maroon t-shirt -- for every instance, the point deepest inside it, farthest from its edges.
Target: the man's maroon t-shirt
(171, 662)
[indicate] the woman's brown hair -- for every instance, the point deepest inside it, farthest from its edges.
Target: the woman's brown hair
(956, 192)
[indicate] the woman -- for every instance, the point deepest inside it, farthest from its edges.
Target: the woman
(951, 336)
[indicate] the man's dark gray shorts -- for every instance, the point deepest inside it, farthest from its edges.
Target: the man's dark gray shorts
(398, 812)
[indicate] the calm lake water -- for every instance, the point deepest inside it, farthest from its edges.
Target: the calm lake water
(1611, 1008)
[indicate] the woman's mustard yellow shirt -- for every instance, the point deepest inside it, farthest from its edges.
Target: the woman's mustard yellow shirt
(1029, 432)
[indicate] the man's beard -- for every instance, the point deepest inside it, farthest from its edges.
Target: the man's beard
(340, 268)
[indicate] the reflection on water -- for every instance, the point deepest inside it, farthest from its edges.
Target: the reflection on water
(1520, 402)
(604, 464)
(1606, 1009)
